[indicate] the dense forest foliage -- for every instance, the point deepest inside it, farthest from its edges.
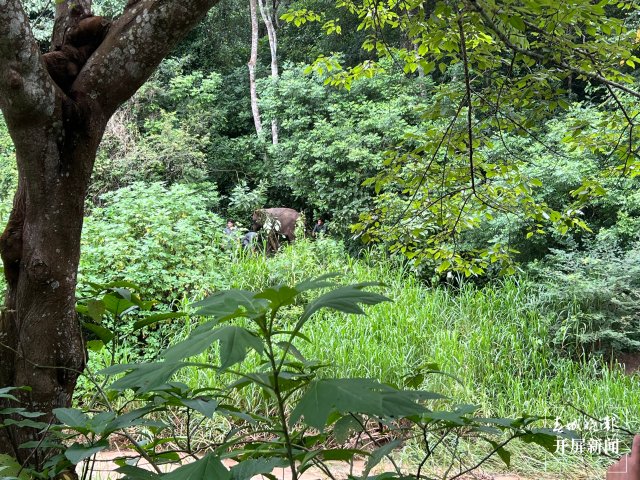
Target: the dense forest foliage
(547, 245)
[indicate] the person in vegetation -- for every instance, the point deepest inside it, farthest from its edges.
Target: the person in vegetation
(231, 228)
(628, 466)
(319, 228)
(248, 240)
(232, 233)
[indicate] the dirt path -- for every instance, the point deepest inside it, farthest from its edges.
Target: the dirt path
(104, 469)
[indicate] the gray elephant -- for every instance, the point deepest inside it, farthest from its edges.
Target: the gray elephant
(276, 222)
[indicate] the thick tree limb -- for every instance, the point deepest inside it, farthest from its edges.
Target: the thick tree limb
(135, 45)
(27, 93)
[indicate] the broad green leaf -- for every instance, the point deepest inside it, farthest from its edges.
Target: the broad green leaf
(21, 411)
(96, 309)
(207, 468)
(378, 455)
(9, 468)
(136, 473)
(317, 283)
(206, 407)
(341, 454)
(26, 423)
(247, 469)
(157, 317)
(71, 417)
(545, 440)
(104, 334)
(234, 344)
(147, 376)
(224, 304)
(118, 306)
(357, 395)
(344, 299)
(99, 422)
(95, 345)
(278, 296)
(345, 426)
(4, 392)
(78, 452)
(129, 419)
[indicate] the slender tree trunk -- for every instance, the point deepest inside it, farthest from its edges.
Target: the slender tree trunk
(268, 14)
(253, 60)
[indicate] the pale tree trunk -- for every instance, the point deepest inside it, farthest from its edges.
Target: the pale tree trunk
(268, 16)
(253, 60)
(56, 136)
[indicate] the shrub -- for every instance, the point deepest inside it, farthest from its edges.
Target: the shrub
(164, 239)
(596, 297)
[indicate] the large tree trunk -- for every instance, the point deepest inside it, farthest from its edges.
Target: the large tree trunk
(56, 135)
(41, 338)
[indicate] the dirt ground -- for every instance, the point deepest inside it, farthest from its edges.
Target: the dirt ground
(104, 469)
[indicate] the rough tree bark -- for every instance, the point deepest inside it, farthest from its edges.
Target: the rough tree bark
(268, 14)
(253, 60)
(56, 136)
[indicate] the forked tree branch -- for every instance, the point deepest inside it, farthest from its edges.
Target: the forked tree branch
(135, 45)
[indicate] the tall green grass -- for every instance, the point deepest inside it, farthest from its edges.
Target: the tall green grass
(494, 340)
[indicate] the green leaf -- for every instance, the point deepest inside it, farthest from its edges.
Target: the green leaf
(344, 299)
(9, 468)
(278, 296)
(129, 419)
(344, 427)
(4, 392)
(378, 455)
(316, 283)
(341, 454)
(207, 468)
(247, 469)
(503, 453)
(545, 440)
(206, 407)
(146, 377)
(136, 473)
(95, 345)
(71, 417)
(96, 309)
(234, 344)
(26, 423)
(78, 452)
(104, 334)
(517, 22)
(358, 395)
(157, 317)
(118, 306)
(23, 412)
(228, 303)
